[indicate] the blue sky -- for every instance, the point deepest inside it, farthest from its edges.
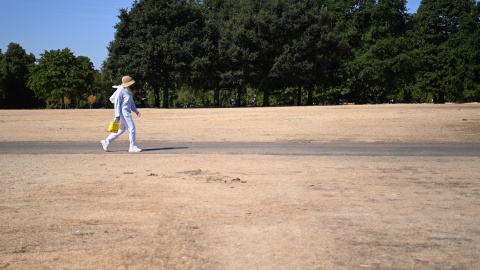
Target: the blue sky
(84, 26)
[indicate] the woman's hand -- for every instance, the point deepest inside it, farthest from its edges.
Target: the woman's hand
(139, 114)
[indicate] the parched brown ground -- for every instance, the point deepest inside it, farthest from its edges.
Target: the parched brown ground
(215, 211)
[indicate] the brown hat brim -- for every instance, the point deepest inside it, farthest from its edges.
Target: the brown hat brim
(128, 83)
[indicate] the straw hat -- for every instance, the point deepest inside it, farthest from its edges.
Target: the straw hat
(127, 81)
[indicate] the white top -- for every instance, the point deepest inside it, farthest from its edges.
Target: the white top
(124, 102)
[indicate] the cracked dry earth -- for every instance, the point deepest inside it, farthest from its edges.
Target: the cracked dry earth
(222, 211)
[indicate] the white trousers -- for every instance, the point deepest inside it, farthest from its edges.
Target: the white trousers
(126, 123)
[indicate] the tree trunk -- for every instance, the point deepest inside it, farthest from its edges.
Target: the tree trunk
(299, 96)
(407, 96)
(156, 92)
(165, 96)
(238, 99)
(173, 96)
(266, 96)
(362, 99)
(310, 95)
(216, 95)
(441, 98)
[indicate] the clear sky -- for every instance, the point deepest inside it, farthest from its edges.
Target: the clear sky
(84, 26)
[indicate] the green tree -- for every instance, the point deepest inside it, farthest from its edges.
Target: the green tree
(15, 67)
(208, 66)
(438, 30)
(461, 59)
(60, 74)
(376, 32)
(156, 42)
(102, 88)
(84, 79)
(271, 45)
(2, 82)
(246, 45)
(291, 51)
(312, 48)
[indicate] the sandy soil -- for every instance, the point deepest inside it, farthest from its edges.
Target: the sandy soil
(214, 211)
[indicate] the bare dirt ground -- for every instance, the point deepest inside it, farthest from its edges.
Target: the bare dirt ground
(219, 211)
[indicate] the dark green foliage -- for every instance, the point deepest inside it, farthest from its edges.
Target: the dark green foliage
(3, 93)
(15, 65)
(156, 43)
(312, 48)
(286, 52)
(377, 34)
(60, 74)
(447, 35)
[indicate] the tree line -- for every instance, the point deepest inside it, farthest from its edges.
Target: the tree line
(283, 52)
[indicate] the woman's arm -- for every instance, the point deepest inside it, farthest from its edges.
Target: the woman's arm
(118, 104)
(133, 107)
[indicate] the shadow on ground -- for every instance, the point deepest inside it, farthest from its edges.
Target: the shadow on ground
(163, 149)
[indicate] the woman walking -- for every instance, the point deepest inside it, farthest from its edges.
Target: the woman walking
(124, 104)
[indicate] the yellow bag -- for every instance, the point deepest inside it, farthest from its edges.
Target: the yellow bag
(114, 126)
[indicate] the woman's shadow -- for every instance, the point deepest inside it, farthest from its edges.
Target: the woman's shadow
(163, 149)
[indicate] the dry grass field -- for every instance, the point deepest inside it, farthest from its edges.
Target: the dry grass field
(242, 211)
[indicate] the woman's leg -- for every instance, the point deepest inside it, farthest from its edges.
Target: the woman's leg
(131, 129)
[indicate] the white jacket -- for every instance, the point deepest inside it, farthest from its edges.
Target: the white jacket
(123, 101)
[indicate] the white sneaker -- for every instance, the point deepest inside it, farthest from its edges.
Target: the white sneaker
(134, 149)
(105, 145)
